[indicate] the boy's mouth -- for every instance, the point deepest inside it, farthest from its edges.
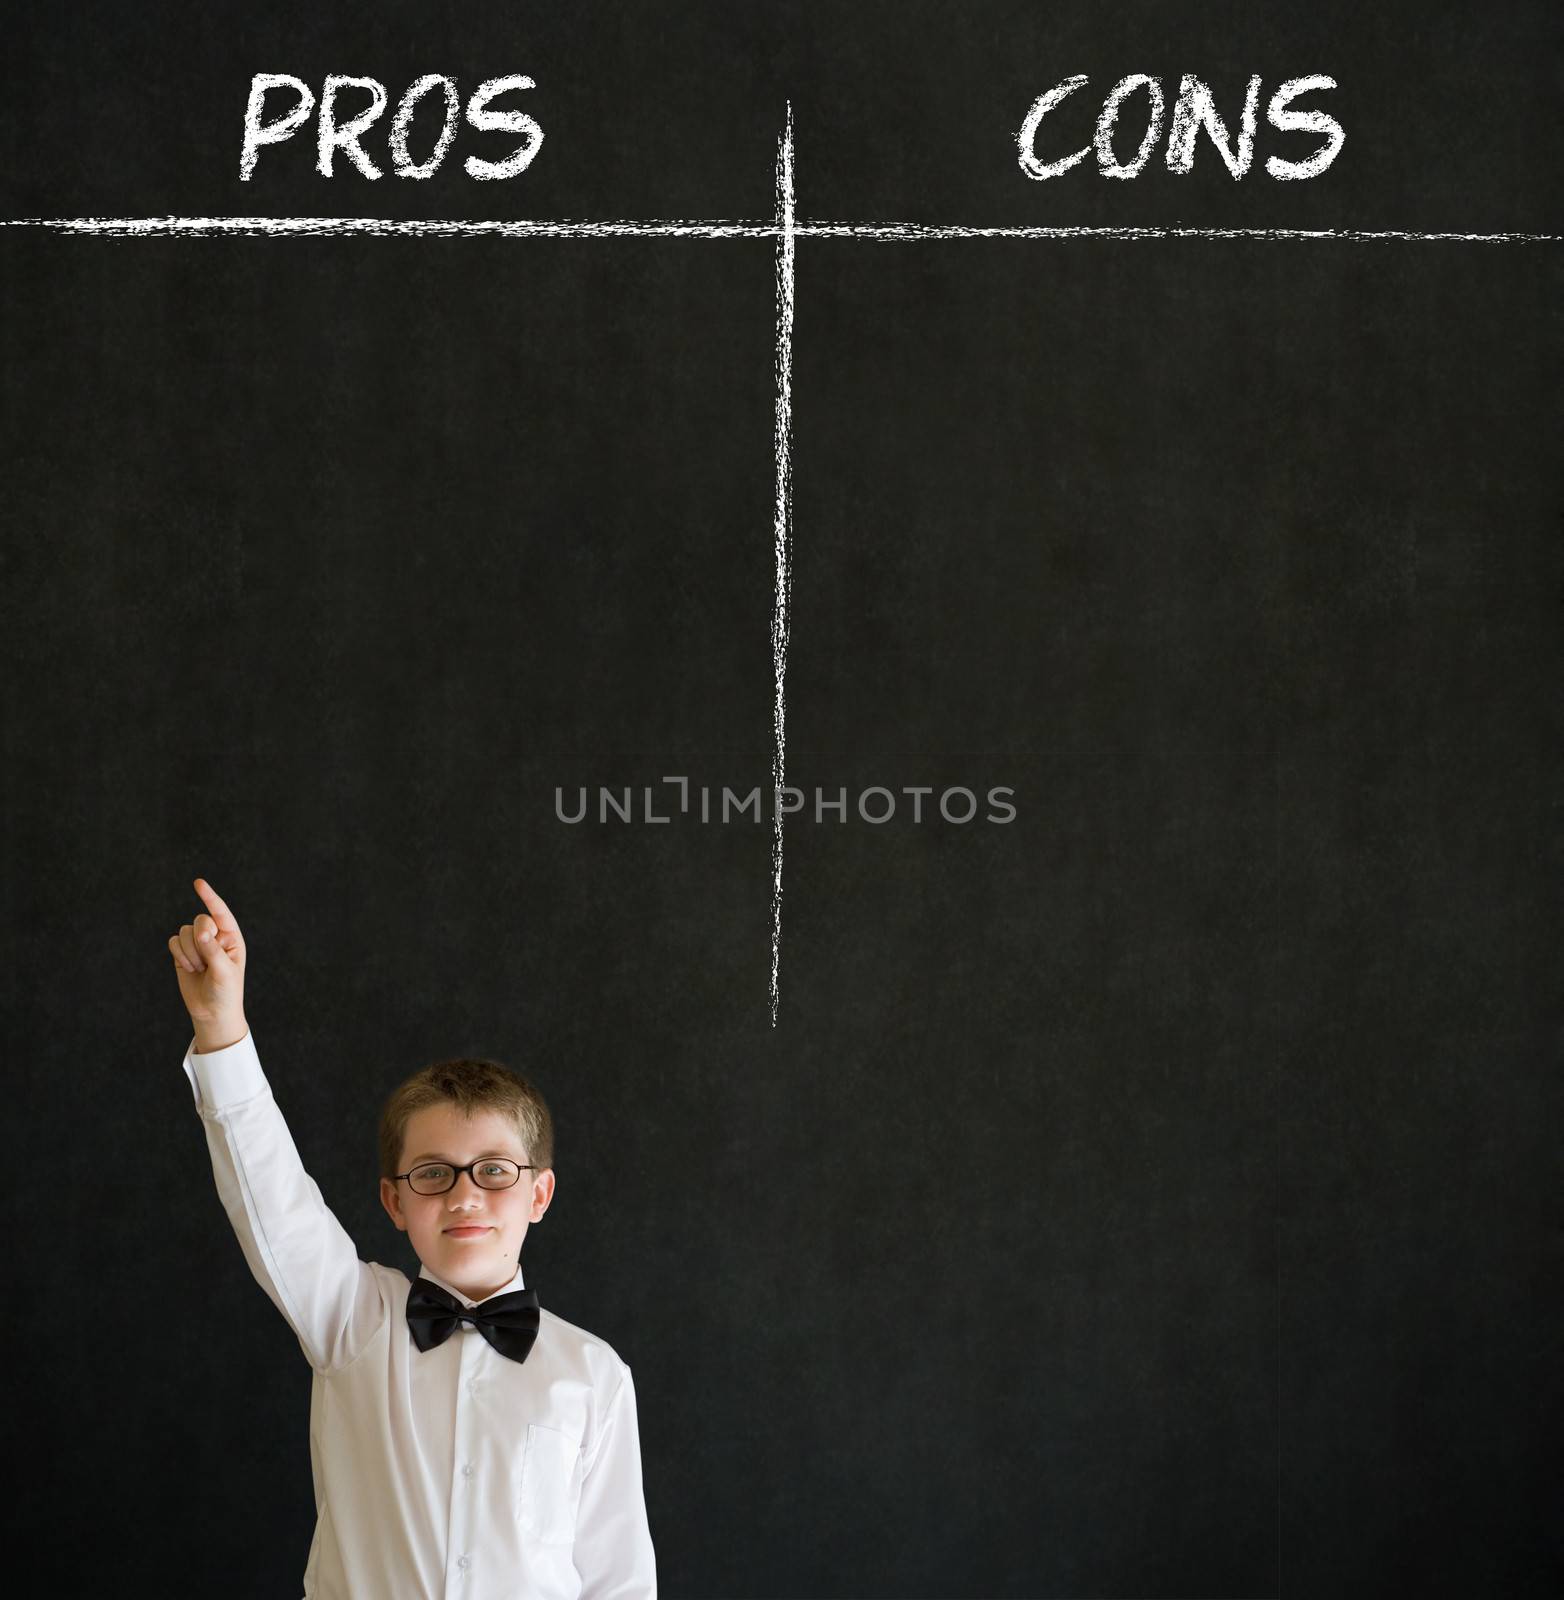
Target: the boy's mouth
(466, 1231)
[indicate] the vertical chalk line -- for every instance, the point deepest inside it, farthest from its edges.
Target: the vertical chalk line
(1279, 1088)
(782, 528)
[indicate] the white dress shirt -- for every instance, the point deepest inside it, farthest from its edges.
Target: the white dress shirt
(446, 1474)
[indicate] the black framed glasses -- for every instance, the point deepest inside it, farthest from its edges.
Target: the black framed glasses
(490, 1172)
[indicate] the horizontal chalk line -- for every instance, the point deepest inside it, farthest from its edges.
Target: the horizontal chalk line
(387, 226)
(892, 232)
(914, 230)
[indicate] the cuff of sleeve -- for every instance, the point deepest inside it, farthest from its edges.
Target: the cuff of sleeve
(221, 1078)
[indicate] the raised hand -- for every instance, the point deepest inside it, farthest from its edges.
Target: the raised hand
(209, 957)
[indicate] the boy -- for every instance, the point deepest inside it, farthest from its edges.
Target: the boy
(464, 1441)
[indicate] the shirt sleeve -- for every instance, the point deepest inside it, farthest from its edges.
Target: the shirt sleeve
(613, 1551)
(298, 1251)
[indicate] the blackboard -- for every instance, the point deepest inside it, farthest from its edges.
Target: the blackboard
(1151, 1191)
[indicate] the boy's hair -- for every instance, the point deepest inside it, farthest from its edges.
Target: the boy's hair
(473, 1086)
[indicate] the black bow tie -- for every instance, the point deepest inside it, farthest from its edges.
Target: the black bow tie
(508, 1321)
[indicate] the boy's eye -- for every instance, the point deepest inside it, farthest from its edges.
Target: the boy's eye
(434, 1173)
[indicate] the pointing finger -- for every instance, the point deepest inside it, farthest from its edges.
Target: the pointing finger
(217, 906)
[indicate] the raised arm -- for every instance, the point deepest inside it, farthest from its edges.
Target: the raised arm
(298, 1251)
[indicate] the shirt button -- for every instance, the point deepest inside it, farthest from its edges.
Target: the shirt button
(467, 1470)
(463, 1562)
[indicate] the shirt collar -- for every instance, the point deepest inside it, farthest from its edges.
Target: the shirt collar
(450, 1288)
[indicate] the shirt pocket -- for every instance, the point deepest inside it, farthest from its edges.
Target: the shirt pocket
(550, 1486)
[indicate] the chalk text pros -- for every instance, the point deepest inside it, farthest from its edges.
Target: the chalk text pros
(333, 134)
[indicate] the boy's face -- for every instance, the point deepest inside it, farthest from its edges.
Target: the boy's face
(479, 1264)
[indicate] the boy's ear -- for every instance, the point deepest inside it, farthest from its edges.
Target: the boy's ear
(391, 1199)
(542, 1192)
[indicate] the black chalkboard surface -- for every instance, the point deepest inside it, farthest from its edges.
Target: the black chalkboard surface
(1101, 1140)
